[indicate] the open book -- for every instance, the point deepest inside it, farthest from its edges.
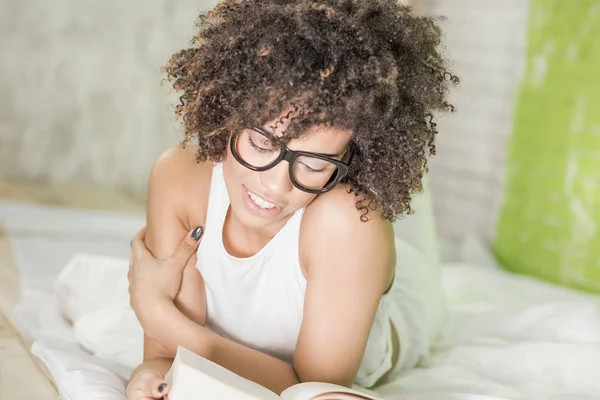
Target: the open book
(195, 378)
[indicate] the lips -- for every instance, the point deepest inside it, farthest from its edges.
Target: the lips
(260, 206)
(259, 201)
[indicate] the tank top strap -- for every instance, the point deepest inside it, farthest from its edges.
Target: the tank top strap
(218, 200)
(288, 248)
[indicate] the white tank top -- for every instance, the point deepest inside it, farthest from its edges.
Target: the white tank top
(256, 301)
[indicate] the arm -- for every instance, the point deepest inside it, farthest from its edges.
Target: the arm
(167, 223)
(344, 289)
(177, 329)
(350, 265)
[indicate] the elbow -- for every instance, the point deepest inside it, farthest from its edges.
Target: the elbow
(333, 374)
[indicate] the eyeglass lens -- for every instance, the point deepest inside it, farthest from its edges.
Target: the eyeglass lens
(256, 150)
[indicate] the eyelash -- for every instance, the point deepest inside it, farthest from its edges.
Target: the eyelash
(318, 171)
(256, 147)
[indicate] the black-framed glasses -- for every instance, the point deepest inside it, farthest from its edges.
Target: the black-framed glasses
(314, 173)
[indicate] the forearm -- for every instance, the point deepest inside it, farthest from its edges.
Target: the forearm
(261, 368)
(176, 329)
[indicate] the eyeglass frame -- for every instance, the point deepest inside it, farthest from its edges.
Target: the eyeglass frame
(290, 156)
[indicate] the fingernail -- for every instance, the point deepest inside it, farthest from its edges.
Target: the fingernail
(162, 387)
(197, 233)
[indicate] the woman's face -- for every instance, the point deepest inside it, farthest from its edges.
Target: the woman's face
(262, 199)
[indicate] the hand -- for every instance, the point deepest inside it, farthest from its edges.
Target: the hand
(147, 385)
(152, 280)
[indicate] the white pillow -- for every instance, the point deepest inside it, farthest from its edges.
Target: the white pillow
(92, 293)
(419, 229)
(91, 283)
(80, 376)
(419, 250)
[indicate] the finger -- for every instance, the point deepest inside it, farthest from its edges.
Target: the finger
(152, 385)
(187, 247)
(159, 389)
(138, 247)
(140, 235)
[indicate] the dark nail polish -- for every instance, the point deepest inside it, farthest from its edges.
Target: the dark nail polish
(162, 387)
(197, 233)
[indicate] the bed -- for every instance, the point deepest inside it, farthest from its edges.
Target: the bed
(507, 336)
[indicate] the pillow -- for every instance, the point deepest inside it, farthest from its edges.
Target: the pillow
(549, 217)
(80, 376)
(417, 246)
(419, 228)
(92, 293)
(90, 283)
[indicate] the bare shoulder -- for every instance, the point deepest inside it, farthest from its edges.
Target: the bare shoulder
(336, 212)
(332, 229)
(178, 181)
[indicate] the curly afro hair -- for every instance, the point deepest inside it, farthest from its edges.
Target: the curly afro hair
(368, 66)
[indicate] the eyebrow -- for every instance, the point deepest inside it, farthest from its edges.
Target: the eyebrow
(330, 155)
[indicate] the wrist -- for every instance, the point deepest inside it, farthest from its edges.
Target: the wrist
(163, 307)
(171, 327)
(155, 316)
(208, 344)
(146, 307)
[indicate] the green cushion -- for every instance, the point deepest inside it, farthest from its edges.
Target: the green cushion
(549, 224)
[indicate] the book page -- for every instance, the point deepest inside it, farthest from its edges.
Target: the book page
(339, 396)
(323, 391)
(196, 378)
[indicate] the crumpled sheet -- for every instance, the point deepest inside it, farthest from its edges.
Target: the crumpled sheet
(512, 336)
(43, 239)
(507, 336)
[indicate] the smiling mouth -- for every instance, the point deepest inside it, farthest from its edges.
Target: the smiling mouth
(259, 201)
(259, 206)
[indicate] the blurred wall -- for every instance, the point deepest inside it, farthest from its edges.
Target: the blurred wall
(80, 99)
(486, 40)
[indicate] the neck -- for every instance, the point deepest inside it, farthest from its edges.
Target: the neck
(244, 241)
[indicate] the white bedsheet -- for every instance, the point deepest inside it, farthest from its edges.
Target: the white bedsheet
(508, 336)
(43, 240)
(513, 337)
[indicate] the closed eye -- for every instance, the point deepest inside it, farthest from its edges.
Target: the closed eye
(310, 169)
(258, 148)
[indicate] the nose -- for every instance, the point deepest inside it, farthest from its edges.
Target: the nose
(277, 179)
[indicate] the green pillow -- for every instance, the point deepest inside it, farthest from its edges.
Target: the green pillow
(549, 224)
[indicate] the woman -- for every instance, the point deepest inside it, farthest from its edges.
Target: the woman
(311, 122)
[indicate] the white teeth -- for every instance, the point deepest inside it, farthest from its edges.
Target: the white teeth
(260, 202)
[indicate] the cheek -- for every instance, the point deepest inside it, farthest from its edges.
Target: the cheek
(301, 199)
(231, 168)
(236, 174)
